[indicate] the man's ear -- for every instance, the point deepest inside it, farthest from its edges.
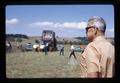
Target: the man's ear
(95, 31)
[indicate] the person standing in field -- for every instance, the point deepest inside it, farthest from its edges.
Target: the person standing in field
(97, 60)
(62, 50)
(46, 48)
(72, 52)
(8, 46)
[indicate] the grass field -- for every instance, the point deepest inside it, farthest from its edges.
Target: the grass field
(37, 65)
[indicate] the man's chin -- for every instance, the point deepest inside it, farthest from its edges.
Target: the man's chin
(90, 39)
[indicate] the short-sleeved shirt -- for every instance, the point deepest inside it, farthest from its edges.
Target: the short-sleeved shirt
(72, 47)
(98, 56)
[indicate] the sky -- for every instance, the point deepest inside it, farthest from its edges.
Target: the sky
(64, 20)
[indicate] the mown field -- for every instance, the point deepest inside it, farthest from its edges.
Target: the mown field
(37, 65)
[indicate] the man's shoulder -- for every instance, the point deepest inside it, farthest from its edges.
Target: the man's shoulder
(93, 45)
(99, 44)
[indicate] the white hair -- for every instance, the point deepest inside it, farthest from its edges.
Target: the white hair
(98, 22)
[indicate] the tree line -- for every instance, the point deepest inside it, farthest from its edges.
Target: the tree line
(16, 37)
(81, 41)
(19, 37)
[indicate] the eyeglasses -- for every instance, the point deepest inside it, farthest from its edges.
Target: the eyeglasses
(89, 28)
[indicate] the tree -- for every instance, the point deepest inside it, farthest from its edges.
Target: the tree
(70, 42)
(65, 42)
(36, 41)
(74, 42)
(19, 40)
(10, 39)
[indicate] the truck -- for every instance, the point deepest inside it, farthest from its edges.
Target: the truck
(26, 47)
(48, 37)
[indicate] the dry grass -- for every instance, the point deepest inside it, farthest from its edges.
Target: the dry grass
(37, 65)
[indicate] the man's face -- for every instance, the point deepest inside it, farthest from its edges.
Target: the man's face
(90, 32)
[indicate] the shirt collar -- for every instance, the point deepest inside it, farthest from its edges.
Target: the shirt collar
(99, 38)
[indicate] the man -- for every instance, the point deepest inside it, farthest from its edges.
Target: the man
(46, 48)
(62, 50)
(98, 57)
(8, 46)
(72, 52)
